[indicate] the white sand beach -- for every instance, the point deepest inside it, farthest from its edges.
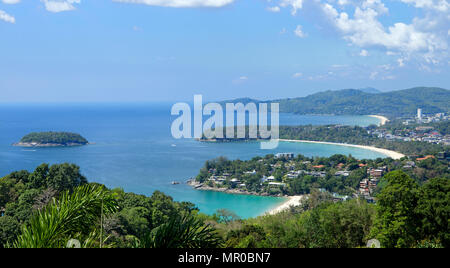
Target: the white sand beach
(382, 119)
(292, 201)
(388, 153)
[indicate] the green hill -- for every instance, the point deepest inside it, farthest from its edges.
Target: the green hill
(361, 102)
(52, 139)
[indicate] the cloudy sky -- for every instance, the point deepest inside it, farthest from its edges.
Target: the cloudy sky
(168, 50)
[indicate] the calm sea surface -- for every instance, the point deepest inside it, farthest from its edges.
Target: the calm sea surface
(134, 149)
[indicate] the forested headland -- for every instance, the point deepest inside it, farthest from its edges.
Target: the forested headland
(361, 102)
(50, 138)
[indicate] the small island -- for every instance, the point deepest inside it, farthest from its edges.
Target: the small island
(51, 139)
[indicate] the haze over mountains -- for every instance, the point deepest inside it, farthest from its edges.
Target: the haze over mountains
(366, 101)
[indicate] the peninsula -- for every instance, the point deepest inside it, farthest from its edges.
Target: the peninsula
(51, 139)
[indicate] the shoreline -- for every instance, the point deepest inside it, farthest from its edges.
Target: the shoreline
(201, 187)
(43, 145)
(231, 191)
(294, 200)
(383, 119)
(392, 154)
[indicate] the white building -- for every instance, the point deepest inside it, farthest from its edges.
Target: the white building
(285, 155)
(277, 184)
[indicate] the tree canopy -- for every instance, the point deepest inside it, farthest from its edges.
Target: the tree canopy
(63, 138)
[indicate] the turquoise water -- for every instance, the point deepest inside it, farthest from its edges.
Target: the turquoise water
(134, 149)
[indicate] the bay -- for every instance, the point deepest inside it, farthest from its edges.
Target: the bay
(133, 149)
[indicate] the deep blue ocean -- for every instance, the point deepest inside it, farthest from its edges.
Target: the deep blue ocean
(134, 149)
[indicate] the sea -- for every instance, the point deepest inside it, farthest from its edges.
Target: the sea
(132, 148)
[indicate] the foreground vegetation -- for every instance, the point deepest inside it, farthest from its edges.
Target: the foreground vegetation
(54, 205)
(406, 215)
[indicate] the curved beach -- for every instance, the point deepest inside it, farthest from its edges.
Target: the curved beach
(388, 153)
(382, 119)
(292, 201)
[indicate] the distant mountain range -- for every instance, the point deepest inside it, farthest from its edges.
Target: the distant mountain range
(366, 101)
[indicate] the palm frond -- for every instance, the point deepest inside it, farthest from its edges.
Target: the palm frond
(74, 214)
(185, 231)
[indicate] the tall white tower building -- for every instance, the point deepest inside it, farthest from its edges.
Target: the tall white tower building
(419, 113)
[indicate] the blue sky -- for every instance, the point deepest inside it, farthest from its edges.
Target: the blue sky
(169, 50)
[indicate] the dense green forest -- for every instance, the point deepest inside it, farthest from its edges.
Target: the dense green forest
(50, 137)
(361, 102)
(53, 205)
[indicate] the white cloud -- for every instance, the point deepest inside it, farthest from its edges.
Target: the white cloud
(297, 75)
(423, 38)
(376, 5)
(298, 31)
(364, 53)
(294, 4)
(6, 17)
(381, 72)
(60, 5)
(385, 67)
(339, 65)
(273, 9)
(440, 5)
(388, 77)
(373, 75)
(67, 5)
(240, 80)
(11, 2)
(180, 3)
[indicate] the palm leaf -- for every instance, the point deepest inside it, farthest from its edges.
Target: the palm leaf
(74, 214)
(182, 232)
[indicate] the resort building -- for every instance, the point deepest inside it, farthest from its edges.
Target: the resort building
(284, 155)
(279, 184)
(375, 173)
(342, 173)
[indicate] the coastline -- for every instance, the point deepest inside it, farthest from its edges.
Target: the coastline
(382, 119)
(39, 145)
(388, 153)
(294, 200)
(297, 199)
(201, 187)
